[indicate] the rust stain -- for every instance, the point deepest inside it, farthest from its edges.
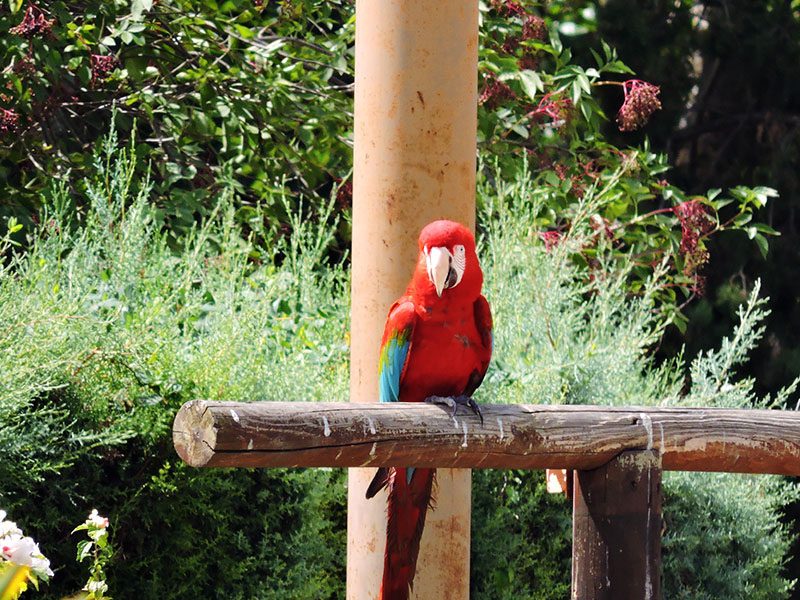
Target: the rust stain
(421, 99)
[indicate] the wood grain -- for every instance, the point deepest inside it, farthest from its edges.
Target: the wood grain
(616, 529)
(306, 434)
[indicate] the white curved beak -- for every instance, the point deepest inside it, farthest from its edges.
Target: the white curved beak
(438, 260)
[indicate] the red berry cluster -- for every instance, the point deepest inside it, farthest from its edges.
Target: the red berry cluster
(509, 8)
(695, 223)
(33, 24)
(9, 120)
(344, 195)
(550, 238)
(534, 28)
(495, 92)
(102, 65)
(641, 101)
(24, 66)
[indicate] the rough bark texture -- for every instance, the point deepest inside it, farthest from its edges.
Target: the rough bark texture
(616, 529)
(304, 434)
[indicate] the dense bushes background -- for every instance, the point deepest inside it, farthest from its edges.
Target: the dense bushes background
(209, 260)
(107, 330)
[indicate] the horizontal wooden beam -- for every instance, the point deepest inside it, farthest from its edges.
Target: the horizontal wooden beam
(319, 434)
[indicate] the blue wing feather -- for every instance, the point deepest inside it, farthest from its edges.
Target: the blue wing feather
(393, 359)
(395, 349)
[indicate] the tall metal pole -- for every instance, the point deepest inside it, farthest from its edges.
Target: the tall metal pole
(414, 162)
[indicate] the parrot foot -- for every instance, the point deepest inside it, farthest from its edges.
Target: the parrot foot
(454, 402)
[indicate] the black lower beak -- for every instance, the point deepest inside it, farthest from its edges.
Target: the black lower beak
(452, 278)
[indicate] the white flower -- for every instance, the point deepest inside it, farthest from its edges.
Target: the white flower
(7, 527)
(24, 551)
(96, 520)
(95, 586)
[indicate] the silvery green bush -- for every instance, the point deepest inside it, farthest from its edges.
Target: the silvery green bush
(563, 337)
(106, 327)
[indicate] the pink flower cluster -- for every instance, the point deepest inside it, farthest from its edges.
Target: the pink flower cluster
(641, 101)
(18, 549)
(495, 92)
(9, 120)
(34, 23)
(102, 65)
(550, 238)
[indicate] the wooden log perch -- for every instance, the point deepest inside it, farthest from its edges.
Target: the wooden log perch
(318, 434)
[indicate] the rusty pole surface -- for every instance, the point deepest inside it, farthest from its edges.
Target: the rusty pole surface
(414, 162)
(616, 529)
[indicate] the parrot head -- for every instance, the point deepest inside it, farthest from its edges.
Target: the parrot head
(448, 264)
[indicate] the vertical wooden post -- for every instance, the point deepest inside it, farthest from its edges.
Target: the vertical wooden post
(616, 529)
(414, 162)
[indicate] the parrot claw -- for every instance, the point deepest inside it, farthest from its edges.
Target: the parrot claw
(454, 402)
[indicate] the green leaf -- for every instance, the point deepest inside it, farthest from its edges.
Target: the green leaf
(583, 81)
(763, 194)
(531, 83)
(763, 244)
(223, 109)
(766, 229)
(136, 67)
(576, 91)
(138, 7)
(84, 549)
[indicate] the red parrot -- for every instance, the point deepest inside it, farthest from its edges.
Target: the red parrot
(436, 347)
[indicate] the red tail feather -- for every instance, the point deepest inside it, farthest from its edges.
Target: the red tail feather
(408, 505)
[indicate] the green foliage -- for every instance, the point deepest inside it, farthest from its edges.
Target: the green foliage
(258, 97)
(137, 294)
(540, 102)
(521, 537)
(561, 339)
(257, 91)
(106, 331)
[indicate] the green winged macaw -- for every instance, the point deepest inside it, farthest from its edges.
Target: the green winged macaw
(436, 347)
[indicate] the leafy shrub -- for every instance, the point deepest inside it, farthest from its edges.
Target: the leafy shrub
(561, 339)
(106, 331)
(258, 90)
